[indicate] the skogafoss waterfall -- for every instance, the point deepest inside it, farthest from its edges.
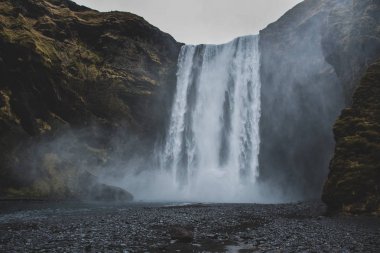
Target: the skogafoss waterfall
(211, 149)
(212, 145)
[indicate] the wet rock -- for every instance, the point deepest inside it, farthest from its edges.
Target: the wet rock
(181, 234)
(90, 189)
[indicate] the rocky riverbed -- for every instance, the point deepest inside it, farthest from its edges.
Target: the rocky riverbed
(142, 227)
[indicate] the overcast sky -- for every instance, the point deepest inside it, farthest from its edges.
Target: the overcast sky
(201, 21)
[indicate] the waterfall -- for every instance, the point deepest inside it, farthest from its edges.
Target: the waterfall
(212, 145)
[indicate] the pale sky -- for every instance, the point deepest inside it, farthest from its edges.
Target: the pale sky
(201, 21)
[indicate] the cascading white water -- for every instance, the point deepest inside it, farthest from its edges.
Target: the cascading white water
(211, 149)
(212, 146)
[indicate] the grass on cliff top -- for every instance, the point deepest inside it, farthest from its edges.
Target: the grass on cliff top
(20, 31)
(77, 61)
(5, 7)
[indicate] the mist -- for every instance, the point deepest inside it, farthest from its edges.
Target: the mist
(301, 98)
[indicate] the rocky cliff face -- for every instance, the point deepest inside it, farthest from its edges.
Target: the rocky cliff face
(312, 58)
(65, 68)
(354, 180)
(352, 45)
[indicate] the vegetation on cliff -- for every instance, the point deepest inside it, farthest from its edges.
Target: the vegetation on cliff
(352, 47)
(354, 181)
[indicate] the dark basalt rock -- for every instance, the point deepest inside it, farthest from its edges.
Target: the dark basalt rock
(353, 184)
(89, 188)
(181, 234)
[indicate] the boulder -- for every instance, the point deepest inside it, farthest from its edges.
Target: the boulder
(181, 234)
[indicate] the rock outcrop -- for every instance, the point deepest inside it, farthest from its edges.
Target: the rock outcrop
(67, 68)
(353, 184)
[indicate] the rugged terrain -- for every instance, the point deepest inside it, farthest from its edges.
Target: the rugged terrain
(72, 76)
(75, 227)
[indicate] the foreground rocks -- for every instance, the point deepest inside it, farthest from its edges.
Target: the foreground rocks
(75, 227)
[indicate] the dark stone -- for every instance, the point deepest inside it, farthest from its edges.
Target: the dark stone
(89, 188)
(181, 234)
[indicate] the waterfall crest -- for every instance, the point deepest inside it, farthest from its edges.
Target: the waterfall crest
(212, 145)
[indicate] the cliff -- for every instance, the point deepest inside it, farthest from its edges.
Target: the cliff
(67, 68)
(311, 59)
(353, 184)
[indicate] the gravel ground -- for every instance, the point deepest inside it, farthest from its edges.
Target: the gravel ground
(143, 227)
